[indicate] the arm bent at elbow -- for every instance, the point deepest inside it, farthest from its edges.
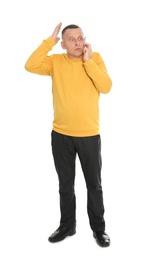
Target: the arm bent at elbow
(39, 61)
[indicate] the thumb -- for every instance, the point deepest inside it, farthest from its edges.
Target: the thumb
(58, 38)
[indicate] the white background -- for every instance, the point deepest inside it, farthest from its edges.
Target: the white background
(29, 201)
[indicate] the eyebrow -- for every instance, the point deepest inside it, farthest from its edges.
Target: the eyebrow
(74, 36)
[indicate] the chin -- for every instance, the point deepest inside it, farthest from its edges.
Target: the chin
(79, 54)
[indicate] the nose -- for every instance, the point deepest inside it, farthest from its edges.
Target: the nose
(77, 42)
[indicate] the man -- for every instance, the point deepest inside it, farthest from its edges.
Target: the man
(78, 77)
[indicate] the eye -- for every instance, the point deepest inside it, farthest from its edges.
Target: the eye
(81, 38)
(71, 39)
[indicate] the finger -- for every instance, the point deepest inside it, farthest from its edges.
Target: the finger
(84, 49)
(59, 24)
(59, 27)
(58, 39)
(87, 45)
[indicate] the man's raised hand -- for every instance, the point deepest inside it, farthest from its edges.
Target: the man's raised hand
(56, 32)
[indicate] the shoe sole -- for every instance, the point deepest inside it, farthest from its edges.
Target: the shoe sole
(71, 233)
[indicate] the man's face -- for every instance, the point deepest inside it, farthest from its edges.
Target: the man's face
(73, 41)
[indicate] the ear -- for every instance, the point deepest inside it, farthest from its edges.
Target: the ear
(62, 45)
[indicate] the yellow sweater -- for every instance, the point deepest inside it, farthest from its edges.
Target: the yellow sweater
(76, 87)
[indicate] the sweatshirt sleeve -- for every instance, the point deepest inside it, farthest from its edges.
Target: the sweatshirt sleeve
(96, 70)
(39, 62)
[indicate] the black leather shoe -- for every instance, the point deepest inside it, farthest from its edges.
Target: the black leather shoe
(61, 233)
(102, 238)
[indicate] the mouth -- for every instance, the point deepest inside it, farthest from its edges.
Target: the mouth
(78, 49)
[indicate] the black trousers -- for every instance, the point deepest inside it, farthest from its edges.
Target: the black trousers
(65, 148)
